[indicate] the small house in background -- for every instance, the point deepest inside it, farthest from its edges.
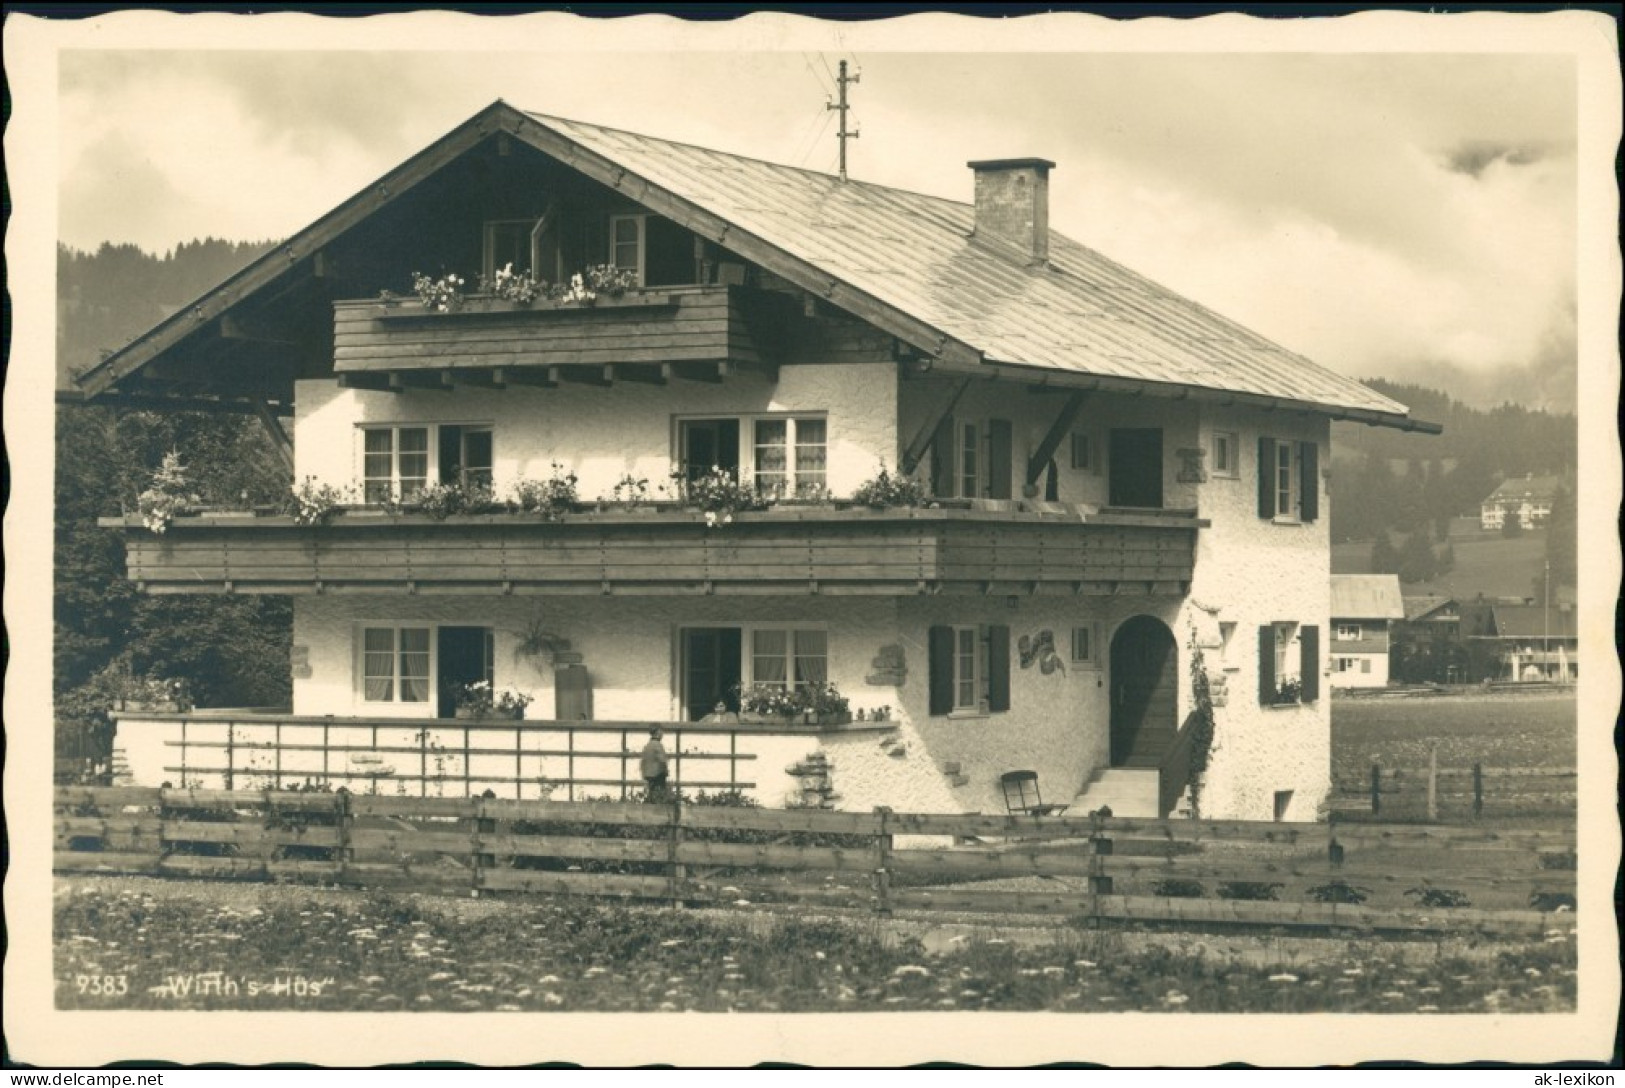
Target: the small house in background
(1364, 608)
(862, 495)
(1535, 642)
(1528, 498)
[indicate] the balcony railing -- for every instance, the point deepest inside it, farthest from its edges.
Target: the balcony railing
(784, 550)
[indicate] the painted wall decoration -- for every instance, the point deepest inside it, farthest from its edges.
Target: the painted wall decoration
(890, 668)
(1040, 648)
(1192, 467)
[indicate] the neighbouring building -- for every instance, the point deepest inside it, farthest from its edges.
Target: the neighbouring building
(1534, 642)
(1528, 498)
(1364, 607)
(1114, 480)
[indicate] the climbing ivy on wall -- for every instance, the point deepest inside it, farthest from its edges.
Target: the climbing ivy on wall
(1200, 723)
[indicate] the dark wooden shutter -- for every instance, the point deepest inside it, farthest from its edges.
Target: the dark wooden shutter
(572, 693)
(1309, 662)
(1000, 443)
(451, 454)
(1266, 477)
(1266, 665)
(942, 460)
(1052, 486)
(940, 660)
(998, 668)
(1309, 459)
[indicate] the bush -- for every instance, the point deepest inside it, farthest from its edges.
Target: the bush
(885, 490)
(1252, 890)
(1179, 889)
(1551, 901)
(1429, 896)
(1339, 891)
(441, 501)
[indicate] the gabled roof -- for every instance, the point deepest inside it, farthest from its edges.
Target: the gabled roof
(1533, 621)
(1423, 606)
(905, 262)
(1525, 488)
(1367, 597)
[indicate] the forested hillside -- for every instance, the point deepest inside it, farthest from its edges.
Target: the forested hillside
(229, 651)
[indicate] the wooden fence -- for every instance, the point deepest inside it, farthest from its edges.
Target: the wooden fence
(1433, 792)
(1315, 876)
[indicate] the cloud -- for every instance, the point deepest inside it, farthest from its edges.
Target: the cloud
(1476, 156)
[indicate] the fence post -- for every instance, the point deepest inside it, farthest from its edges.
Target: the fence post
(1100, 882)
(1433, 782)
(344, 819)
(677, 873)
(1376, 789)
(1478, 790)
(883, 851)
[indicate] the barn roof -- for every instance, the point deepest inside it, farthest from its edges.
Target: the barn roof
(1367, 597)
(904, 261)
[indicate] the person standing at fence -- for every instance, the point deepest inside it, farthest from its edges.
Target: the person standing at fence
(653, 767)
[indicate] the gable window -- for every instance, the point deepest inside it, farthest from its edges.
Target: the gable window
(394, 463)
(1288, 480)
(1224, 453)
(1348, 632)
(969, 669)
(1285, 678)
(973, 459)
(395, 664)
(626, 244)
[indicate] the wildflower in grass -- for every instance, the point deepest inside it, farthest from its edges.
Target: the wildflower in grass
(552, 998)
(1055, 971)
(1355, 972)
(911, 969)
(1284, 977)
(818, 955)
(547, 980)
(424, 999)
(507, 1008)
(1393, 995)
(673, 943)
(1532, 972)
(1174, 997)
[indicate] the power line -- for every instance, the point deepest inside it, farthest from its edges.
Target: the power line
(841, 107)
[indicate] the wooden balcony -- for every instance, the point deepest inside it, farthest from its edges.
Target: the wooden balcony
(667, 552)
(648, 335)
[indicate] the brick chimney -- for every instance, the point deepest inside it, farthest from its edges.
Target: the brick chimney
(1012, 205)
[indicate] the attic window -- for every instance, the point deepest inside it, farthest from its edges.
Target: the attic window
(515, 242)
(626, 244)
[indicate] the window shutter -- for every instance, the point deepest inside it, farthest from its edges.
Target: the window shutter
(1266, 477)
(451, 452)
(942, 460)
(1309, 458)
(941, 669)
(1000, 441)
(998, 668)
(1309, 664)
(1266, 665)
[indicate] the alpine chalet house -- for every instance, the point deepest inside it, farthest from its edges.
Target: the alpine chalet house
(867, 497)
(1364, 608)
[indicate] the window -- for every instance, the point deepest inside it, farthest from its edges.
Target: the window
(789, 657)
(395, 463)
(1285, 678)
(1288, 480)
(715, 662)
(395, 664)
(1224, 453)
(969, 669)
(1086, 644)
(970, 459)
(1085, 458)
(626, 244)
(1348, 632)
(790, 456)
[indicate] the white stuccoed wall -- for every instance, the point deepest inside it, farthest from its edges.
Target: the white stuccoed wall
(1255, 572)
(604, 434)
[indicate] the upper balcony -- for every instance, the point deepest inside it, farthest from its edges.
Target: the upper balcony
(962, 548)
(696, 332)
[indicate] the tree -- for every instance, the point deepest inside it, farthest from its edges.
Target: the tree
(1562, 538)
(1417, 563)
(1384, 556)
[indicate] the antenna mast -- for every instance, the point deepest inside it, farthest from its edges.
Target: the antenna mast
(840, 82)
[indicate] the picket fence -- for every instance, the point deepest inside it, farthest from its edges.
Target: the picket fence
(1090, 869)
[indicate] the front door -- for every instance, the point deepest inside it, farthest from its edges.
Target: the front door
(1144, 692)
(1134, 467)
(464, 658)
(710, 667)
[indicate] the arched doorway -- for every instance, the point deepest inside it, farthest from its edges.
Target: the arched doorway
(1144, 692)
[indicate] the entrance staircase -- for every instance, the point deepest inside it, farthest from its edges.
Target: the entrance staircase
(1127, 791)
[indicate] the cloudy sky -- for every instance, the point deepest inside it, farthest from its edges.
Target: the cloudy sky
(1406, 215)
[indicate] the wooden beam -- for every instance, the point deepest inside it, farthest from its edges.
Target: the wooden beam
(922, 440)
(479, 379)
(158, 402)
(273, 430)
(1058, 430)
(366, 379)
(434, 381)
